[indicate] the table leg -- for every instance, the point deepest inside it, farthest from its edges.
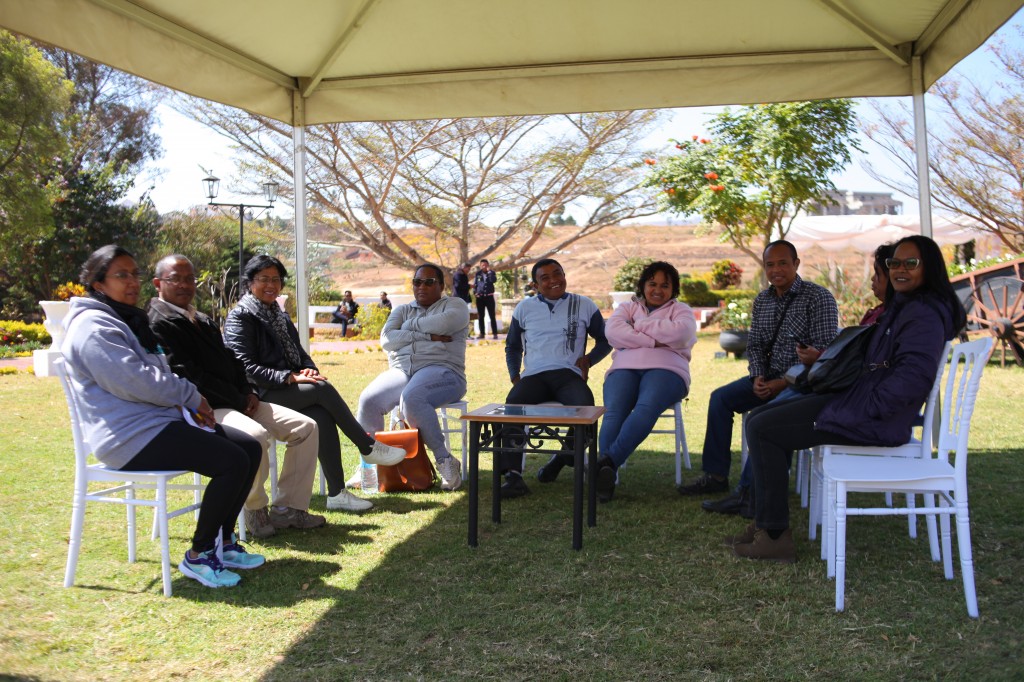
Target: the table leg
(499, 432)
(474, 479)
(592, 475)
(577, 490)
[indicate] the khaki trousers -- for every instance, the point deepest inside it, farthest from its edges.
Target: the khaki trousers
(299, 433)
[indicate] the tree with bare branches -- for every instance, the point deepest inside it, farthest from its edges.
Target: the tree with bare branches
(491, 188)
(975, 148)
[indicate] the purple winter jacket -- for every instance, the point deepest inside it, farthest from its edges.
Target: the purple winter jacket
(880, 408)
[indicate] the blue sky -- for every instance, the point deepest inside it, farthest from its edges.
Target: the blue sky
(176, 177)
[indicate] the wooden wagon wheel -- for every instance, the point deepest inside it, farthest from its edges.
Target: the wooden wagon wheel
(997, 305)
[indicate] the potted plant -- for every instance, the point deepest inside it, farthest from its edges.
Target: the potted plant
(625, 280)
(735, 325)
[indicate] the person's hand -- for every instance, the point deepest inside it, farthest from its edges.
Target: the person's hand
(762, 389)
(515, 380)
(205, 413)
(251, 403)
(807, 354)
(304, 378)
(440, 337)
(584, 364)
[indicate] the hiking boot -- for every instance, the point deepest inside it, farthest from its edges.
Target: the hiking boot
(346, 501)
(233, 555)
(208, 570)
(744, 538)
(450, 471)
(763, 548)
(383, 454)
(514, 486)
(257, 522)
(728, 505)
(295, 518)
(549, 472)
(705, 485)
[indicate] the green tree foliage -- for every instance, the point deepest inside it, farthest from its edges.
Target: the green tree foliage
(629, 274)
(33, 100)
(762, 164)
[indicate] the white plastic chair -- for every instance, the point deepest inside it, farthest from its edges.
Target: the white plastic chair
(128, 482)
(272, 456)
(931, 476)
(678, 429)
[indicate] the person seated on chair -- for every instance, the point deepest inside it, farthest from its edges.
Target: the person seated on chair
(652, 336)
(546, 358)
(792, 322)
(922, 313)
(265, 340)
(879, 283)
(426, 345)
(196, 351)
(345, 313)
(132, 412)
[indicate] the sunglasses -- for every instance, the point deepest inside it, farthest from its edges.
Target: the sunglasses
(908, 263)
(428, 282)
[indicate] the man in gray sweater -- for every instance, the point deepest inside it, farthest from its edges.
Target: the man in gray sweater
(426, 345)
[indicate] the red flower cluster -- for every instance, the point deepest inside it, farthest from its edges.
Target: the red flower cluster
(650, 162)
(717, 188)
(711, 176)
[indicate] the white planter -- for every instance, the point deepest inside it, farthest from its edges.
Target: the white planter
(42, 360)
(620, 297)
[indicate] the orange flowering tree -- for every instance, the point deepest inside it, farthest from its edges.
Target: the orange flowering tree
(760, 166)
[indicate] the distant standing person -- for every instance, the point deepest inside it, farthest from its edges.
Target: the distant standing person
(483, 289)
(460, 282)
(385, 302)
(346, 312)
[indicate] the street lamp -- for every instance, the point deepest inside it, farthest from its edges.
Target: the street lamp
(212, 184)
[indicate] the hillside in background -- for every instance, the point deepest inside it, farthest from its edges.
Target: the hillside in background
(591, 264)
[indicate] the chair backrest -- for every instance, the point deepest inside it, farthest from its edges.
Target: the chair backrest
(930, 429)
(81, 448)
(959, 395)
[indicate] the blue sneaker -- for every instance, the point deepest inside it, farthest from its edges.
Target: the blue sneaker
(208, 570)
(235, 556)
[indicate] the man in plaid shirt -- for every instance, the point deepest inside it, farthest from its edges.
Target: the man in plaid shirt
(793, 321)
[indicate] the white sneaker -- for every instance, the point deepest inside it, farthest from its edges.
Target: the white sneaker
(356, 482)
(346, 501)
(384, 455)
(450, 471)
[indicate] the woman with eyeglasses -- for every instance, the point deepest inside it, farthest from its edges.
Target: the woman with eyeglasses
(922, 313)
(267, 343)
(131, 406)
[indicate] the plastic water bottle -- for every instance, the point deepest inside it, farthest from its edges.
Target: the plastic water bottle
(367, 477)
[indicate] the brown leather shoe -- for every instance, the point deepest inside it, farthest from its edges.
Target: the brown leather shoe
(763, 548)
(744, 538)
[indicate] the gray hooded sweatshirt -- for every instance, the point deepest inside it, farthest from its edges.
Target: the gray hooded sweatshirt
(406, 335)
(125, 394)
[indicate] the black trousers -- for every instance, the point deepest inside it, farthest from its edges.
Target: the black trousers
(229, 458)
(486, 303)
(322, 403)
(562, 385)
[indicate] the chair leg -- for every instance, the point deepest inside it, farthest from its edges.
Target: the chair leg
(912, 517)
(840, 553)
(963, 538)
(165, 549)
(830, 509)
(129, 494)
(272, 456)
(241, 524)
(947, 546)
(930, 523)
(75, 538)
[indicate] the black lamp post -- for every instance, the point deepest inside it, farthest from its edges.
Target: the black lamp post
(212, 184)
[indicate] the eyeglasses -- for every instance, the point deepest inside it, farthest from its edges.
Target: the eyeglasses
(428, 282)
(178, 281)
(269, 280)
(908, 263)
(138, 275)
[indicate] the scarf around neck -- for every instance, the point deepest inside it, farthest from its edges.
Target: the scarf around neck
(274, 317)
(135, 318)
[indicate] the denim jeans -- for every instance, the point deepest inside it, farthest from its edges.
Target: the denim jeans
(633, 401)
(419, 397)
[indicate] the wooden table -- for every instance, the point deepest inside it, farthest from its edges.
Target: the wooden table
(491, 424)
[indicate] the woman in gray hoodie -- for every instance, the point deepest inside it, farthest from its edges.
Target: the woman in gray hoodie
(136, 412)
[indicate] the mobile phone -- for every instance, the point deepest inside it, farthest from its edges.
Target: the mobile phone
(798, 341)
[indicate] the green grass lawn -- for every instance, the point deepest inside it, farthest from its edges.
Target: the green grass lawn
(396, 593)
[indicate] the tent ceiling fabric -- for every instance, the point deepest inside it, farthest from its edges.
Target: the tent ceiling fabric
(865, 233)
(357, 60)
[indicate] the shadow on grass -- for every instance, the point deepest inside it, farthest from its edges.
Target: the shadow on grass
(654, 595)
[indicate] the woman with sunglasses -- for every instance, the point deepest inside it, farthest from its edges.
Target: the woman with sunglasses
(132, 416)
(922, 313)
(426, 345)
(265, 340)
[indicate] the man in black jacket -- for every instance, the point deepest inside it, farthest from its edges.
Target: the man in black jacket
(196, 351)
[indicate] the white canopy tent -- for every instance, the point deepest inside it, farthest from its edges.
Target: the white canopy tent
(320, 61)
(864, 233)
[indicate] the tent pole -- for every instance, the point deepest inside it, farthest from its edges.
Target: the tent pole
(299, 174)
(924, 193)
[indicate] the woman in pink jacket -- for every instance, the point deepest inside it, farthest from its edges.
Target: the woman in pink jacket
(652, 336)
